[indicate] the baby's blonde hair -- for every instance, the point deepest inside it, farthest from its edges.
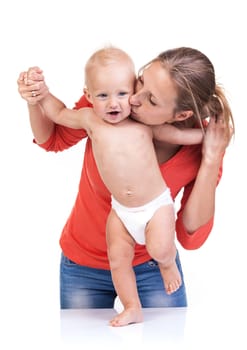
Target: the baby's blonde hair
(107, 56)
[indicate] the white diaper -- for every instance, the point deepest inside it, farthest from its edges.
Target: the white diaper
(135, 219)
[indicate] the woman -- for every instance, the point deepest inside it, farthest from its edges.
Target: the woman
(178, 80)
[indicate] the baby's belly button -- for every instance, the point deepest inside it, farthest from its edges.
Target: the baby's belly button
(129, 193)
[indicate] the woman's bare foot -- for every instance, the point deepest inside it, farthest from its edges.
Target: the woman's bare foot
(171, 277)
(126, 317)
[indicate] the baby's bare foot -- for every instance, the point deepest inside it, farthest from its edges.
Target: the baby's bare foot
(171, 277)
(126, 317)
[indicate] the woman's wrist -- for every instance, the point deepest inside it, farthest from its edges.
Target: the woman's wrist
(212, 159)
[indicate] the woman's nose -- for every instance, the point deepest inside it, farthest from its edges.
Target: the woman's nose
(135, 100)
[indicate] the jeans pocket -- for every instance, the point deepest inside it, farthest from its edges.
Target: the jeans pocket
(67, 261)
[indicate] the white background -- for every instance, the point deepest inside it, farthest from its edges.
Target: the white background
(37, 189)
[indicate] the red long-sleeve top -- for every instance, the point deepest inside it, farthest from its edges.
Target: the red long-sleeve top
(83, 236)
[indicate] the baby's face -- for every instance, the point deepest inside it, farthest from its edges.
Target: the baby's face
(109, 90)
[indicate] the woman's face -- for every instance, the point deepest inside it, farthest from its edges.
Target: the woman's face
(154, 101)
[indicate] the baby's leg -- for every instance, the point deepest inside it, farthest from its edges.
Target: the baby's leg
(120, 253)
(160, 236)
(171, 277)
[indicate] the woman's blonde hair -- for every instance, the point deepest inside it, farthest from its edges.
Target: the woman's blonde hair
(194, 78)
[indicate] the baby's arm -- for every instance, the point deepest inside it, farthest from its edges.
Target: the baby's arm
(53, 108)
(59, 114)
(172, 134)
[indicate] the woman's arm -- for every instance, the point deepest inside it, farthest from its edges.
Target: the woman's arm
(49, 110)
(41, 126)
(200, 206)
(46, 112)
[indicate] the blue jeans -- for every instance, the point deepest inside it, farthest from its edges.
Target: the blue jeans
(84, 287)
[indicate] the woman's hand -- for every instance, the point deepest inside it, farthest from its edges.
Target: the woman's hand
(33, 89)
(217, 137)
(32, 86)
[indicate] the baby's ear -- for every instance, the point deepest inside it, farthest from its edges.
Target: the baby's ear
(183, 115)
(87, 95)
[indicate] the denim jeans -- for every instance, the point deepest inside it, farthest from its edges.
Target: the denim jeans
(84, 287)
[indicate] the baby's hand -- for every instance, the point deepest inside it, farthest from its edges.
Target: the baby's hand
(33, 75)
(32, 86)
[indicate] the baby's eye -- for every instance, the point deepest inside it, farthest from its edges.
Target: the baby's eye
(123, 93)
(102, 96)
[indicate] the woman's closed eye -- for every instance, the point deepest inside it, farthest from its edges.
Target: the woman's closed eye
(151, 101)
(148, 96)
(140, 80)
